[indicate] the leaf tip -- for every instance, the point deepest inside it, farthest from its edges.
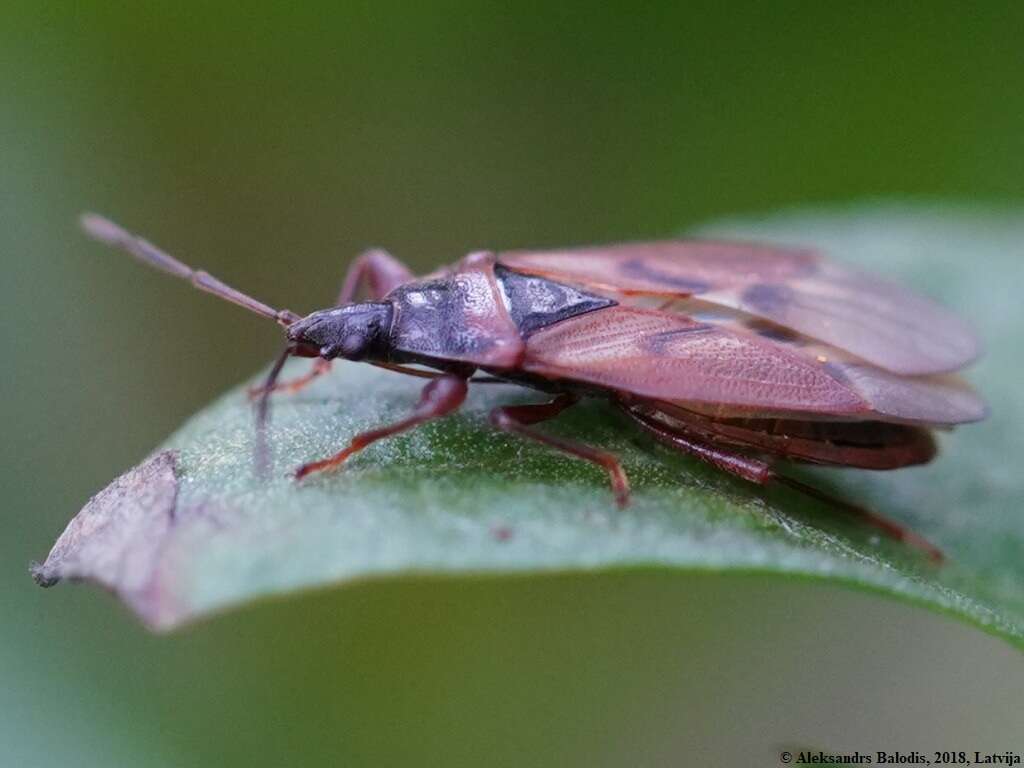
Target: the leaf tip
(42, 575)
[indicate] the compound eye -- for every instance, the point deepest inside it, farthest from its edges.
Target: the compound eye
(353, 345)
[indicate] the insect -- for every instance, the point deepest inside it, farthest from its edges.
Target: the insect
(739, 354)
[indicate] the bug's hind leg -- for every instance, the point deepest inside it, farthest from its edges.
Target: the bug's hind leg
(438, 398)
(761, 472)
(890, 528)
(518, 418)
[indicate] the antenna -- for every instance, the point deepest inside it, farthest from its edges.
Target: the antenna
(109, 233)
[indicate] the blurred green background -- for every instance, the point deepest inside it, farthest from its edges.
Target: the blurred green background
(269, 143)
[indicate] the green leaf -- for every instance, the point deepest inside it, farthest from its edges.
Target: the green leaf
(196, 528)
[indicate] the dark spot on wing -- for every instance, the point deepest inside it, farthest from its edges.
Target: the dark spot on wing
(773, 331)
(838, 373)
(767, 298)
(659, 343)
(639, 268)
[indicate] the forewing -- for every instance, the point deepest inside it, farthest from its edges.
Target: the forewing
(671, 357)
(722, 372)
(876, 320)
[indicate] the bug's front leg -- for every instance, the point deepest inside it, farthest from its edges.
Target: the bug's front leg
(438, 398)
(374, 274)
(518, 418)
(320, 367)
(377, 272)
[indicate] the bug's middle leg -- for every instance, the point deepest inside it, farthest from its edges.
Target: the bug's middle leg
(518, 418)
(438, 398)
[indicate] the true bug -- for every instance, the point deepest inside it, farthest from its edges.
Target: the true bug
(736, 353)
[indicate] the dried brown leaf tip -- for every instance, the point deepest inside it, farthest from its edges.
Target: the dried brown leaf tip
(117, 538)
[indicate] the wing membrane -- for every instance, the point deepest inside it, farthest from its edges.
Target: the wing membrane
(723, 372)
(876, 320)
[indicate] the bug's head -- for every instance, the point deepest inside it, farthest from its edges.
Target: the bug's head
(354, 332)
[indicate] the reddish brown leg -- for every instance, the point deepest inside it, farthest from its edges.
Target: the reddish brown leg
(439, 398)
(760, 472)
(320, 367)
(416, 372)
(516, 418)
(375, 270)
(889, 527)
(374, 274)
